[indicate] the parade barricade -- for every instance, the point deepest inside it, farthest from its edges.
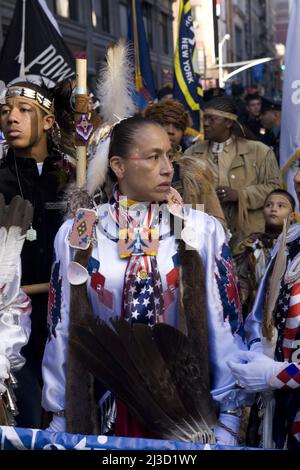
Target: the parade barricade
(35, 439)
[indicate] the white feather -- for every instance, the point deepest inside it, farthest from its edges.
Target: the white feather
(114, 88)
(97, 168)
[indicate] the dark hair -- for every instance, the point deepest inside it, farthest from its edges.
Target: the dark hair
(124, 134)
(168, 111)
(166, 90)
(237, 89)
(212, 93)
(285, 193)
(222, 103)
(252, 97)
(62, 93)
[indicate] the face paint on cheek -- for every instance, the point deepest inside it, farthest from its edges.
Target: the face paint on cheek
(34, 124)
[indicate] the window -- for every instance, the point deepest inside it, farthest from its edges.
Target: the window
(100, 15)
(238, 44)
(147, 17)
(164, 32)
(124, 19)
(67, 9)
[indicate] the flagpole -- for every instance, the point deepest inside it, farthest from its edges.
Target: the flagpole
(138, 75)
(81, 108)
(22, 50)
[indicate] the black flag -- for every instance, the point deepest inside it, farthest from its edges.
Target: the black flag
(34, 46)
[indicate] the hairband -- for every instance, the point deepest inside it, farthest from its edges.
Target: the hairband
(224, 114)
(44, 103)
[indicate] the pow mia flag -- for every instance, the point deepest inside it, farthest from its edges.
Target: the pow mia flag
(34, 46)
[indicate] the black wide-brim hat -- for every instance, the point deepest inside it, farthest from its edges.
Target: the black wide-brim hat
(268, 104)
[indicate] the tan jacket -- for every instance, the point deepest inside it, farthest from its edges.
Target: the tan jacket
(254, 173)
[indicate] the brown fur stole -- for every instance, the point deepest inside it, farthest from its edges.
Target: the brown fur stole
(193, 317)
(81, 406)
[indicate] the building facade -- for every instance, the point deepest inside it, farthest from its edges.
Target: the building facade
(281, 20)
(92, 25)
(251, 25)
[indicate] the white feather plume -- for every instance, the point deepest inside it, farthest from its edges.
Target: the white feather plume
(97, 167)
(114, 88)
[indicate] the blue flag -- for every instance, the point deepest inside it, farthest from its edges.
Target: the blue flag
(187, 88)
(144, 84)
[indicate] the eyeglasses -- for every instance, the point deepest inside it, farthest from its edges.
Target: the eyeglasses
(155, 158)
(208, 119)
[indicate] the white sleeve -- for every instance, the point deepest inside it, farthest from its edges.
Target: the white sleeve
(225, 328)
(55, 354)
(15, 309)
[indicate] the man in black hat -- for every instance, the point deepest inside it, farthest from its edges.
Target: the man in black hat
(253, 121)
(271, 120)
(211, 93)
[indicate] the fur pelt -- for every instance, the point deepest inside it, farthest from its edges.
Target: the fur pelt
(76, 198)
(199, 186)
(193, 309)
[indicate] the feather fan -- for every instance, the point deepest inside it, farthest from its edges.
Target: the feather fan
(128, 360)
(14, 222)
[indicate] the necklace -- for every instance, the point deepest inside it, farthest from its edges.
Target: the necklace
(218, 147)
(31, 234)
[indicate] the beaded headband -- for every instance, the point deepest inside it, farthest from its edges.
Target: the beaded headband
(40, 100)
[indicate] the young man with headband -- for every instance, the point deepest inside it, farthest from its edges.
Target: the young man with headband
(35, 169)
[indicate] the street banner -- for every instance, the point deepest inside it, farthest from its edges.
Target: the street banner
(187, 87)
